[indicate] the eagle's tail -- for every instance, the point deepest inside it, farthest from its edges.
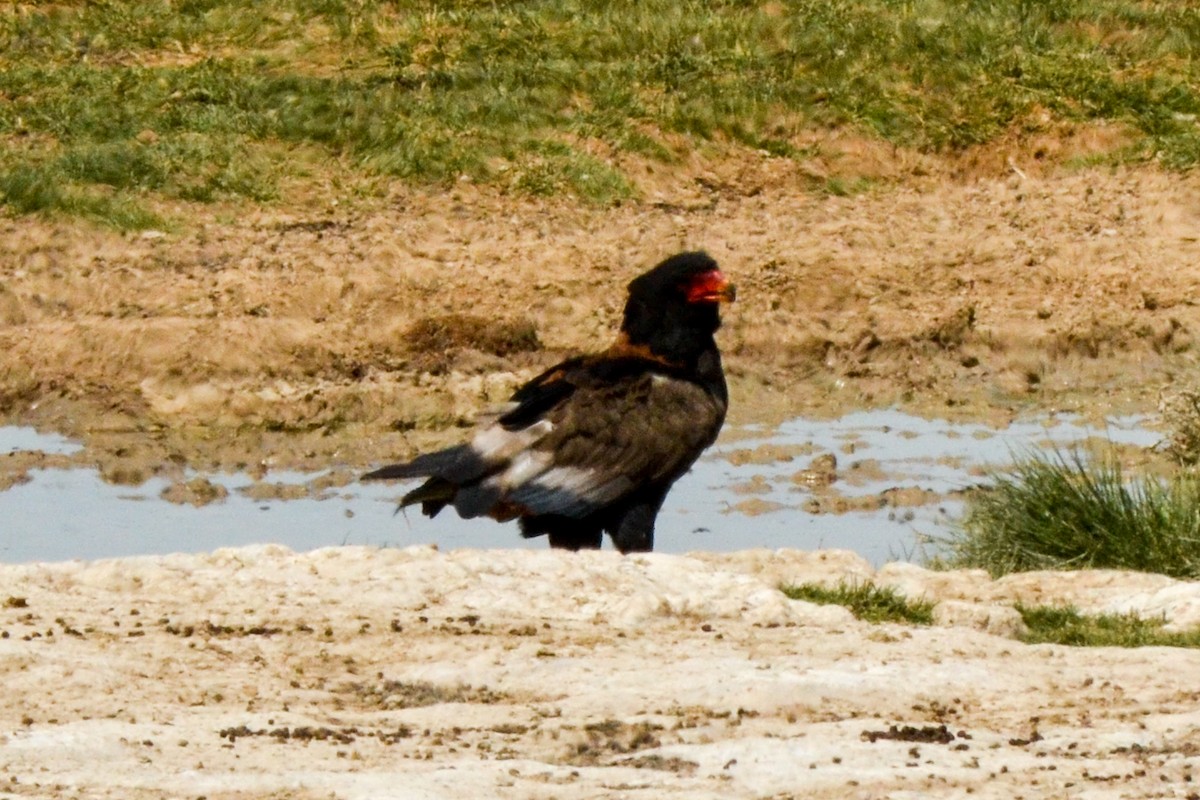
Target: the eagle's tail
(445, 469)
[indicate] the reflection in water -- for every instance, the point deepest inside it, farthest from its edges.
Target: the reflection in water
(68, 514)
(14, 439)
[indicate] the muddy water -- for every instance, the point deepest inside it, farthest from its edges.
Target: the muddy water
(882, 483)
(894, 485)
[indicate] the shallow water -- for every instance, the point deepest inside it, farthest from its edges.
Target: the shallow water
(721, 504)
(15, 439)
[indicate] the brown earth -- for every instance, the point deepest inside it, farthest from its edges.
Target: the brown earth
(355, 330)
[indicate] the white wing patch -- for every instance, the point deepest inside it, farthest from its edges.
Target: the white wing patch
(570, 491)
(576, 480)
(532, 480)
(524, 468)
(495, 443)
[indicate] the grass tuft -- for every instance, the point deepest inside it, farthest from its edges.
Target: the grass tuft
(866, 601)
(1065, 625)
(1062, 511)
(38, 189)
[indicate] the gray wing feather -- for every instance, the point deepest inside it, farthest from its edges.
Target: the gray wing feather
(604, 445)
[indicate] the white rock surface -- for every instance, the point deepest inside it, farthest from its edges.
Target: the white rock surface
(379, 673)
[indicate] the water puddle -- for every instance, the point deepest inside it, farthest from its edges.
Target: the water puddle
(16, 439)
(880, 483)
(875, 482)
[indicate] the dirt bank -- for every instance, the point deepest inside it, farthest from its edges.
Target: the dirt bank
(350, 333)
(356, 673)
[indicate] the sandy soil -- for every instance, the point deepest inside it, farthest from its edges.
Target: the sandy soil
(345, 334)
(356, 332)
(362, 673)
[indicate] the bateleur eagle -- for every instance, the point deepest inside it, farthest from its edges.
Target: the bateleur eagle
(593, 445)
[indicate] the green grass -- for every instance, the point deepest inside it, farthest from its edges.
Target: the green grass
(1063, 511)
(1043, 624)
(547, 97)
(1065, 625)
(866, 601)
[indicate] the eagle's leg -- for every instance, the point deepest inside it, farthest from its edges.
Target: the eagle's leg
(566, 533)
(634, 531)
(577, 538)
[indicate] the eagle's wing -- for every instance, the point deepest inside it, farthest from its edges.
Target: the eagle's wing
(626, 424)
(577, 438)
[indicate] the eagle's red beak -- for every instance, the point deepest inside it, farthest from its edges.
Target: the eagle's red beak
(711, 287)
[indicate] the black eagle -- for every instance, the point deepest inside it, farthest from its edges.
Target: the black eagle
(593, 444)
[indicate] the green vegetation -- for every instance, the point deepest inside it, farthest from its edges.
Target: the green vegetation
(1044, 624)
(1065, 625)
(108, 106)
(1066, 512)
(866, 601)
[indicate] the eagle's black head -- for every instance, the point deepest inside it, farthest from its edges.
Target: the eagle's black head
(674, 308)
